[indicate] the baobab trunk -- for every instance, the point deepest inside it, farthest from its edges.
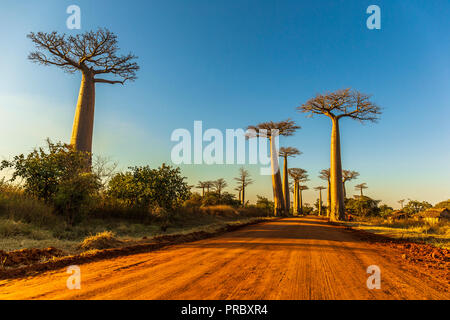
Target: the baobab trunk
(240, 201)
(320, 202)
(287, 200)
(343, 188)
(337, 194)
(298, 201)
(300, 195)
(328, 199)
(295, 209)
(243, 195)
(278, 200)
(83, 123)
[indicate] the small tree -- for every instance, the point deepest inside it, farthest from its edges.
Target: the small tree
(219, 185)
(320, 206)
(243, 181)
(361, 187)
(271, 130)
(348, 175)
(337, 105)
(202, 185)
(325, 175)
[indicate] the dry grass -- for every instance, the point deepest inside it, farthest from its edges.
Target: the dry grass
(103, 240)
(437, 234)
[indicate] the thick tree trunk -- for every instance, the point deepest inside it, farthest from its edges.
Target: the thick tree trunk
(278, 200)
(320, 202)
(287, 200)
(300, 194)
(328, 199)
(297, 198)
(337, 193)
(294, 209)
(83, 123)
(243, 195)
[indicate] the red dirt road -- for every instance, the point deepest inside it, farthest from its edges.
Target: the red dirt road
(294, 258)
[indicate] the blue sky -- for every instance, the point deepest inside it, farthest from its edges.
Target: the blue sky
(235, 63)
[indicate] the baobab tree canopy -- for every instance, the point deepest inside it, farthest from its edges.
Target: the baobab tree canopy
(266, 129)
(342, 103)
(95, 52)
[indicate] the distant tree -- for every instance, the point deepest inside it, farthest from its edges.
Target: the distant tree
(243, 181)
(385, 210)
(414, 206)
(302, 188)
(320, 206)
(363, 206)
(336, 105)
(209, 185)
(348, 175)
(219, 185)
(402, 201)
(298, 175)
(93, 54)
(265, 204)
(202, 185)
(325, 175)
(164, 187)
(361, 187)
(285, 153)
(271, 130)
(443, 204)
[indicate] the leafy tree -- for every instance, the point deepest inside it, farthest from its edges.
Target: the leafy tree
(271, 130)
(265, 204)
(443, 204)
(142, 186)
(58, 175)
(385, 210)
(363, 206)
(336, 105)
(94, 54)
(414, 206)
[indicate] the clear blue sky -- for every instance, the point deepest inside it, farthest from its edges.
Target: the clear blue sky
(234, 63)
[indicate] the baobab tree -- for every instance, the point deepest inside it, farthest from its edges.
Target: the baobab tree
(95, 55)
(320, 188)
(285, 153)
(301, 188)
(348, 175)
(219, 185)
(239, 190)
(201, 185)
(271, 130)
(298, 175)
(325, 175)
(243, 181)
(208, 186)
(361, 187)
(336, 105)
(401, 202)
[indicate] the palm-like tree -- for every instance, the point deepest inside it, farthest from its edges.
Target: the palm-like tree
(243, 181)
(336, 105)
(271, 130)
(348, 175)
(361, 187)
(285, 153)
(298, 175)
(325, 175)
(202, 185)
(219, 185)
(320, 188)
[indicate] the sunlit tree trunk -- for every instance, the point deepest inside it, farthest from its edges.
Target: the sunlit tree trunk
(300, 195)
(294, 209)
(287, 200)
(337, 194)
(320, 202)
(328, 199)
(298, 209)
(83, 123)
(278, 199)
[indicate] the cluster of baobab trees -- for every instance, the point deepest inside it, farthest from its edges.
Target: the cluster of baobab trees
(243, 180)
(95, 56)
(345, 103)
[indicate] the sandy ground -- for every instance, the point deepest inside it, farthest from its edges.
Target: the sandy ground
(294, 258)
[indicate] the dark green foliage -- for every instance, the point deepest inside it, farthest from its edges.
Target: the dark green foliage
(414, 206)
(363, 206)
(142, 186)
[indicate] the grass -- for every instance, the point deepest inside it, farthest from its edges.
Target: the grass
(26, 222)
(435, 234)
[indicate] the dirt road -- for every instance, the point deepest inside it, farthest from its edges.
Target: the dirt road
(295, 258)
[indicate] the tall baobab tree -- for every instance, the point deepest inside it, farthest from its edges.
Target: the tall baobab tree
(219, 185)
(348, 175)
(285, 153)
(301, 188)
(325, 175)
(401, 202)
(201, 185)
(361, 187)
(320, 188)
(239, 190)
(336, 105)
(243, 181)
(298, 175)
(271, 130)
(95, 55)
